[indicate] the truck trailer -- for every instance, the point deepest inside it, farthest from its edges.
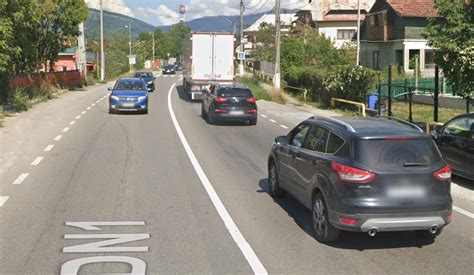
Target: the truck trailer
(209, 59)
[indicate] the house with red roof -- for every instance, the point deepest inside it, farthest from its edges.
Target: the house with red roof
(392, 33)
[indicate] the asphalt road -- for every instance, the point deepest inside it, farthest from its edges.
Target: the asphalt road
(130, 180)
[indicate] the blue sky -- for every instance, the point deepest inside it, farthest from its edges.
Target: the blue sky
(165, 12)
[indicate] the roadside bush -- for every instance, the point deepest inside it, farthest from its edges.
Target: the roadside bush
(254, 84)
(309, 77)
(19, 100)
(349, 82)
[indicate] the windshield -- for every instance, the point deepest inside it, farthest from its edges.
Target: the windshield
(226, 92)
(129, 85)
(396, 154)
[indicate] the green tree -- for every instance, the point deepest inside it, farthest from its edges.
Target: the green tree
(453, 36)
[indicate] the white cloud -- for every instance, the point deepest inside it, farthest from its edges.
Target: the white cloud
(117, 6)
(159, 16)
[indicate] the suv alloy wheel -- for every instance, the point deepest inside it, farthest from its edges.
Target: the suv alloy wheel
(323, 229)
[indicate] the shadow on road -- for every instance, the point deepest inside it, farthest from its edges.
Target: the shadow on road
(183, 95)
(347, 240)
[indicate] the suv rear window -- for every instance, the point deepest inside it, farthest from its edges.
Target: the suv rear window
(234, 92)
(396, 154)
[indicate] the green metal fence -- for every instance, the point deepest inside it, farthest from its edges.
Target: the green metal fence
(425, 86)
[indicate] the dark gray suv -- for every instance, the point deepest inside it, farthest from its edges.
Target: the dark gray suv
(364, 175)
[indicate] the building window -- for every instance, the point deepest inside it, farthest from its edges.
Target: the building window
(429, 59)
(376, 60)
(345, 34)
(412, 56)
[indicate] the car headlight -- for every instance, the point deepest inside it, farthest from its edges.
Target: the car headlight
(114, 97)
(140, 98)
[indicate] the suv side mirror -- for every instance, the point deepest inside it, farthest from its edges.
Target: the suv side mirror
(281, 140)
(109, 89)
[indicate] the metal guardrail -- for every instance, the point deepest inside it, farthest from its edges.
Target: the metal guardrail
(263, 75)
(360, 106)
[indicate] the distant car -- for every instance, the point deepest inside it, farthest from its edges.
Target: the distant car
(364, 175)
(169, 69)
(229, 102)
(129, 94)
(178, 66)
(148, 78)
(455, 140)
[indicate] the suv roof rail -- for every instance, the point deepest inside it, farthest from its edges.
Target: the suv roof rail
(335, 120)
(412, 125)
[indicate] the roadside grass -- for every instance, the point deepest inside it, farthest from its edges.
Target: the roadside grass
(422, 113)
(257, 86)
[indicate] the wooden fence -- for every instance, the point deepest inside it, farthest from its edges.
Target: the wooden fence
(62, 79)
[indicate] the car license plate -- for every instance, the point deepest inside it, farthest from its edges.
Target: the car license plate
(406, 192)
(236, 113)
(128, 104)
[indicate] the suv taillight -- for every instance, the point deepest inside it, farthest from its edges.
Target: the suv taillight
(444, 173)
(351, 174)
(251, 100)
(221, 99)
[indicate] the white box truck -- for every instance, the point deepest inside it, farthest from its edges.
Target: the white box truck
(209, 58)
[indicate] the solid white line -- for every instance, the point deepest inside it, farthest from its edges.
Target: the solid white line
(239, 239)
(462, 211)
(58, 138)
(83, 112)
(283, 126)
(66, 129)
(88, 108)
(3, 200)
(37, 161)
(49, 148)
(21, 178)
(72, 122)
(262, 115)
(272, 120)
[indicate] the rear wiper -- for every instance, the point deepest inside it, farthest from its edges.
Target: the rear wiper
(414, 164)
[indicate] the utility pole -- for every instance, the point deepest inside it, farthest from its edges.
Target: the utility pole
(234, 26)
(102, 56)
(81, 45)
(153, 35)
(241, 65)
(277, 78)
(358, 33)
(130, 44)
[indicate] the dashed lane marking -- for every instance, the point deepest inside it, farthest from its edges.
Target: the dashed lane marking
(49, 148)
(37, 161)
(93, 104)
(72, 122)
(21, 178)
(262, 115)
(88, 108)
(58, 138)
(272, 120)
(78, 117)
(283, 126)
(462, 211)
(66, 129)
(3, 200)
(229, 223)
(83, 112)
(97, 101)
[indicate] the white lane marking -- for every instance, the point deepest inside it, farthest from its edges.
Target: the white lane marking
(66, 129)
(21, 178)
(37, 161)
(283, 126)
(239, 239)
(88, 108)
(173, 76)
(138, 266)
(72, 122)
(92, 226)
(58, 137)
(102, 246)
(262, 115)
(3, 200)
(272, 120)
(83, 112)
(93, 104)
(49, 148)
(78, 117)
(97, 101)
(165, 75)
(462, 211)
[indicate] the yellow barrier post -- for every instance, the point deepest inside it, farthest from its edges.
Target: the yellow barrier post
(360, 106)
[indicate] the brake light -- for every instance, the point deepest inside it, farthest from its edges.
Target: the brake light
(220, 99)
(351, 174)
(444, 173)
(251, 100)
(348, 221)
(251, 111)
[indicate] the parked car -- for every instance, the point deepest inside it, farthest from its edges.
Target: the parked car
(363, 175)
(178, 66)
(129, 94)
(169, 69)
(148, 78)
(455, 140)
(229, 102)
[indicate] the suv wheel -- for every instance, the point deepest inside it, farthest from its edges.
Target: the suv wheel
(210, 116)
(323, 230)
(274, 188)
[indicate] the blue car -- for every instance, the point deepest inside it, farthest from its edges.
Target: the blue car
(129, 94)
